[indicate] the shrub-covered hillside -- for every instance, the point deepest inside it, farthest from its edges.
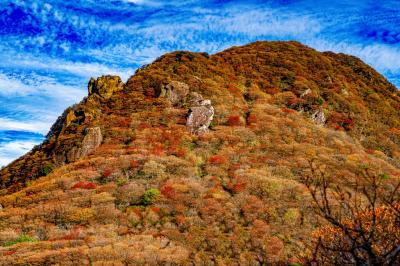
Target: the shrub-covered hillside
(202, 159)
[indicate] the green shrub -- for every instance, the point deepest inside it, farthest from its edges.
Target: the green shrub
(47, 169)
(384, 176)
(20, 239)
(149, 196)
(121, 181)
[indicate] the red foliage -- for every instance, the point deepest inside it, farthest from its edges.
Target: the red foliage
(272, 90)
(260, 228)
(251, 119)
(216, 159)
(84, 185)
(168, 191)
(178, 152)
(288, 111)
(135, 164)
(137, 211)
(234, 120)
(295, 101)
(143, 125)
(370, 151)
(347, 123)
(238, 187)
(395, 130)
(234, 90)
(253, 208)
(71, 236)
(156, 209)
(180, 219)
(157, 150)
(179, 208)
(107, 172)
(340, 120)
(337, 127)
(124, 122)
(9, 253)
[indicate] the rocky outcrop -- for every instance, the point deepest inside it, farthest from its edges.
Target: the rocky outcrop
(175, 92)
(90, 143)
(70, 115)
(201, 113)
(305, 93)
(105, 86)
(319, 117)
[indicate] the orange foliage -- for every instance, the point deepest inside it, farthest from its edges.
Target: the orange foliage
(84, 185)
(231, 196)
(216, 159)
(167, 191)
(384, 232)
(234, 120)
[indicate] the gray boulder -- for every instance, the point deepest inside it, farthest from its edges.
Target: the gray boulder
(175, 92)
(90, 143)
(201, 113)
(319, 117)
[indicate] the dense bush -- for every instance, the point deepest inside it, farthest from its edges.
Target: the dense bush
(150, 196)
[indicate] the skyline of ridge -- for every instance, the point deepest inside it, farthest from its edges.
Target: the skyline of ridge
(49, 51)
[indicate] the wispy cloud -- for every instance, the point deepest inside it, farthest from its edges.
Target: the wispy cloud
(12, 150)
(60, 65)
(383, 57)
(30, 126)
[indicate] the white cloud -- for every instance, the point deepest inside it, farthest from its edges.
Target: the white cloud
(10, 86)
(33, 85)
(12, 150)
(41, 127)
(267, 22)
(134, 1)
(79, 69)
(383, 57)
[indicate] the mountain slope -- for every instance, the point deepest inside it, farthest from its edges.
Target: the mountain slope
(199, 158)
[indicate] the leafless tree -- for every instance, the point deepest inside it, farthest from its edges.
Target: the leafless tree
(362, 215)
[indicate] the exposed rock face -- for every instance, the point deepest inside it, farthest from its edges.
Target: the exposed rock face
(319, 117)
(90, 143)
(69, 116)
(201, 114)
(175, 92)
(105, 86)
(305, 93)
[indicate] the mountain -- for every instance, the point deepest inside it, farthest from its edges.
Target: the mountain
(199, 158)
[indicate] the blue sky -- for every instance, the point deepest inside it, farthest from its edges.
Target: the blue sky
(50, 49)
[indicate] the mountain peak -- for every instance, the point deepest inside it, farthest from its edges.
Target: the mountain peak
(200, 158)
(105, 86)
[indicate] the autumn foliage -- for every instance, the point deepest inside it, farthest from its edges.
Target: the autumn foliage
(84, 185)
(154, 194)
